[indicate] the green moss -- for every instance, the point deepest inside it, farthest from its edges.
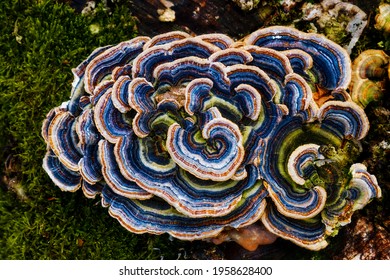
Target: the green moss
(39, 44)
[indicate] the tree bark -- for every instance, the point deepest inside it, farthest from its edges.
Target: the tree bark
(198, 17)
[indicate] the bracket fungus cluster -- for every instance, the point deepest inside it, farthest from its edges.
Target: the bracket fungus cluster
(208, 138)
(382, 19)
(370, 73)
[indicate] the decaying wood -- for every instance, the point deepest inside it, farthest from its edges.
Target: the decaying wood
(197, 16)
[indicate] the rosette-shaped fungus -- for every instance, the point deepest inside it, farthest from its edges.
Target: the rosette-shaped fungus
(206, 138)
